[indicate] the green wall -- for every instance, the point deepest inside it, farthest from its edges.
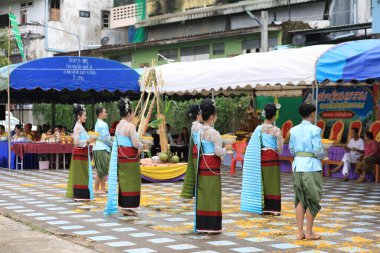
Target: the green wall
(288, 110)
(232, 47)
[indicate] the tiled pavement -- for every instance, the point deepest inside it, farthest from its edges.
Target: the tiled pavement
(349, 220)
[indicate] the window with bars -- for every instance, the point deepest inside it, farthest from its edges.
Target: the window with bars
(105, 19)
(218, 49)
(125, 58)
(55, 8)
(171, 54)
(251, 46)
(84, 14)
(195, 53)
(27, 4)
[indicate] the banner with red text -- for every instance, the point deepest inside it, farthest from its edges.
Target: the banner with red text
(344, 103)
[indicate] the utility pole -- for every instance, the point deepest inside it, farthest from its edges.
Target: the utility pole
(264, 31)
(263, 28)
(375, 19)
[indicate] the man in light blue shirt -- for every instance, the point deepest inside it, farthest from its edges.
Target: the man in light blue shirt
(102, 151)
(306, 145)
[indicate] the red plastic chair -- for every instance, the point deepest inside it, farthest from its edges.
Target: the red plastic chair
(239, 147)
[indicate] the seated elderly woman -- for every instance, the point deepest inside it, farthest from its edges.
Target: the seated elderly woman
(371, 156)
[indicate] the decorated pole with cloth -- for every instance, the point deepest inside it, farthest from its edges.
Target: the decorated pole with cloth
(13, 26)
(17, 34)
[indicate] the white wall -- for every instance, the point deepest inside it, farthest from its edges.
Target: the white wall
(35, 13)
(89, 29)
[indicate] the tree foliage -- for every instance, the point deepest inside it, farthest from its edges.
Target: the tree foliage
(230, 112)
(4, 44)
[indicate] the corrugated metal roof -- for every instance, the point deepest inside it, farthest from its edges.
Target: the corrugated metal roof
(218, 10)
(302, 12)
(192, 28)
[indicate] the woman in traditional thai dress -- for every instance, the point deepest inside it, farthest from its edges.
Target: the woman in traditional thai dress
(208, 193)
(125, 164)
(261, 190)
(189, 183)
(79, 184)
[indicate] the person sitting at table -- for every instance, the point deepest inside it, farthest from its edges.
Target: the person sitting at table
(47, 135)
(57, 130)
(45, 127)
(38, 133)
(183, 138)
(169, 134)
(371, 156)
(355, 148)
(63, 130)
(2, 131)
(28, 132)
(18, 132)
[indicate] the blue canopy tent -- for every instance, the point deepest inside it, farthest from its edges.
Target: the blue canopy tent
(355, 62)
(69, 79)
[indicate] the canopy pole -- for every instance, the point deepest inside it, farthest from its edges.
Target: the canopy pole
(9, 96)
(313, 92)
(316, 102)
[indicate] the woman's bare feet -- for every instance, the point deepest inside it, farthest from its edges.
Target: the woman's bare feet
(129, 213)
(300, 236)
(313, 237)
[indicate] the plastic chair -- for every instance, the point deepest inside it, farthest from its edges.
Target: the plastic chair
(239, 147)
(286, 129)
(321, 124)
(337, 132)
(375, 129)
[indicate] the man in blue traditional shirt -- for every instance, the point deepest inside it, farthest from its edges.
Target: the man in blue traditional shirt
(306, 145)
(102, 150)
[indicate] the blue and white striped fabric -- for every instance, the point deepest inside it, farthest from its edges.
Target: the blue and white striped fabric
(111, 206)
(90, 180)
(251, 194)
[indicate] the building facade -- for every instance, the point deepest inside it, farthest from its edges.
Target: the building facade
(179, 30)
(67, 21)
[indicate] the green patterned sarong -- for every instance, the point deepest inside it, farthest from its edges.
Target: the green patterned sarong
(189, 181)
(102, 162)
(308, 190)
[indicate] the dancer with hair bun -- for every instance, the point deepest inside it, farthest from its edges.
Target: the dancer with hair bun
(208, 190)
(124, 165)
(79, 184)
(261, 190)
(195, 114)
